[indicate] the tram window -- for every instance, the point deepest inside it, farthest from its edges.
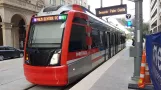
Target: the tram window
(77, 38)
(108, 40)
(115, 39)
(102, 39)
(112, 39)
(79, 20)
(96, 41)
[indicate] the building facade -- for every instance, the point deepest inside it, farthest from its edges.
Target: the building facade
(63, 2)
(15, 17)
(155, 19)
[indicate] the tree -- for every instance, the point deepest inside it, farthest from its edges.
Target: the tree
(144, 28)
(129, 36)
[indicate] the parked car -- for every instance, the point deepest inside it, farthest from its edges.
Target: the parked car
(7, 52)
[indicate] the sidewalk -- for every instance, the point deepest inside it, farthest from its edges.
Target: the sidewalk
(114, 74)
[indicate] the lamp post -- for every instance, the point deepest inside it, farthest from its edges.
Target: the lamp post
(121, 2)
(101, 3)
(138, 38)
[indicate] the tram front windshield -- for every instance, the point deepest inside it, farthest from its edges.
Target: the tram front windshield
(47, 34)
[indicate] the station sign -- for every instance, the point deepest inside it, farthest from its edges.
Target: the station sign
(113, 10)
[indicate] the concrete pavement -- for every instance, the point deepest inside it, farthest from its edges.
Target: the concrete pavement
(114, 74)
(118, 75)
(11, 75)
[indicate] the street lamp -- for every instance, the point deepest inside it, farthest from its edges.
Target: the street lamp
(138, 38)
(121, 2)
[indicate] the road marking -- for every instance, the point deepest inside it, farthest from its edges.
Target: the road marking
(91, 79)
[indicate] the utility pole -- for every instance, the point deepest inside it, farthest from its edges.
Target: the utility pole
(101, 4)
(121, 2)
(138, 39)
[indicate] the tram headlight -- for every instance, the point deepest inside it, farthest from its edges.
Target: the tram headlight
(54, 59)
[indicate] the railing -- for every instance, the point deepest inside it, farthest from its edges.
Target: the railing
(22, 4)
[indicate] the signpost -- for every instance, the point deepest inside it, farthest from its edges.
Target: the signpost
(128, 16)
(128, 20)
(113, 10)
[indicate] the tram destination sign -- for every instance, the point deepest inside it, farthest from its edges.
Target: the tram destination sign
(113, 10)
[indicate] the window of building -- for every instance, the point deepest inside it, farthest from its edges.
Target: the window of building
(53, 2)
(85, 4)
(80, 2)
(62, 2)
(40, 3)
(77, 38)
(75, 1)
(28, 1)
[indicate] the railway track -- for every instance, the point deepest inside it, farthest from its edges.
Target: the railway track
(38, 87)
(28, 88)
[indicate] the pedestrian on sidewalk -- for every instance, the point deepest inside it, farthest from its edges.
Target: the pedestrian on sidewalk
(133, 42)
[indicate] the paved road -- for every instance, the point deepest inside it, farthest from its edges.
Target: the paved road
(12, 77)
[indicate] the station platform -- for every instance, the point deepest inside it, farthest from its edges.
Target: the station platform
(114, 74)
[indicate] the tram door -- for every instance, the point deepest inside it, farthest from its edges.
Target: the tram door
(112, 44)
(105, 45)
(102, 39)
(115, 43)
(108, 44)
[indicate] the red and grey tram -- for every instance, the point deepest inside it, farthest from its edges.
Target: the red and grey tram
(64, 43)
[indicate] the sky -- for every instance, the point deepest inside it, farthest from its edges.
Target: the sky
(130, 10)
(130, 7)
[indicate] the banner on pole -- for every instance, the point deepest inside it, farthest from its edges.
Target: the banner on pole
(153, 55)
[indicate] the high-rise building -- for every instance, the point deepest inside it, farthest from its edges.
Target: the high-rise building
(155, 19)
(63, 2)
(15, 16)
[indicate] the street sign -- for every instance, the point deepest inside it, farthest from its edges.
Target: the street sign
(129, 23)
(113, 10)
(128, 16)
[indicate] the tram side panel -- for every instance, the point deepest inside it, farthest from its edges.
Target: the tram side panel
(99, 56)
(79, 50)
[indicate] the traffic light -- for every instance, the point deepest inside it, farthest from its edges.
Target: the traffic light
(129, 23)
